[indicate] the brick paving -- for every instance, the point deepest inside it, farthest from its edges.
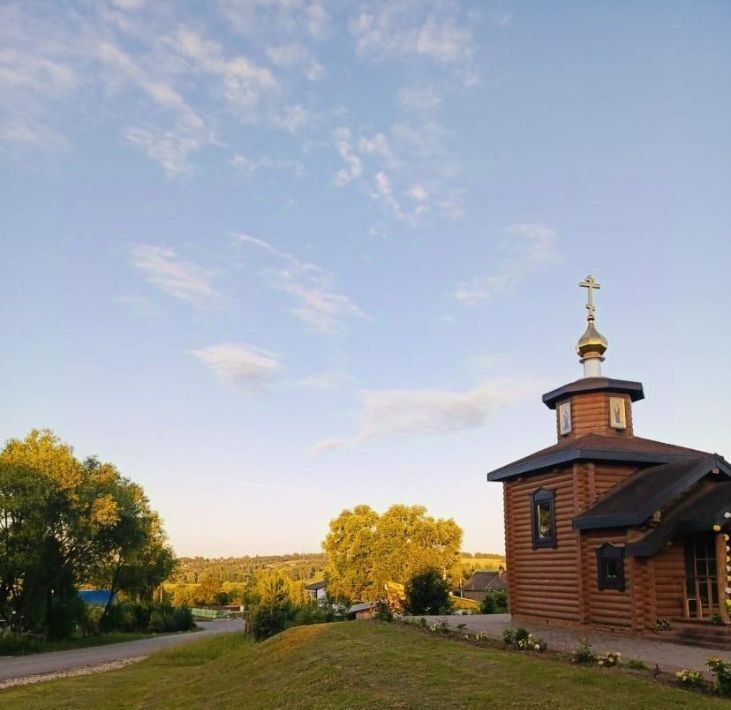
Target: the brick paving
(670, 657)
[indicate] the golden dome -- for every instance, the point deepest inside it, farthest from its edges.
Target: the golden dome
(592, 343)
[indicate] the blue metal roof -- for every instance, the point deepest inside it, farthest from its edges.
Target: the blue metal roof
(95, 597)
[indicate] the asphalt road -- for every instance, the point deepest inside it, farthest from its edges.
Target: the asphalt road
(40, 663)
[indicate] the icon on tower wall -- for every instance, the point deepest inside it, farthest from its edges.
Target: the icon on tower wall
(564, 418)
(617, 413)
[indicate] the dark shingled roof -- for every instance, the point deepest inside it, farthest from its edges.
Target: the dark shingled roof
(485, 581)
(634, 500)
(698, 512)
(314, 586)
(594, 384)
(595, 447)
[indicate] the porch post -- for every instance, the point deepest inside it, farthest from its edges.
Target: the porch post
(721, 576)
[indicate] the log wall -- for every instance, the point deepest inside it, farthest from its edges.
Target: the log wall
(606, 607)
(590, 415)
(670, 582)
(542, 582)
(562, 583)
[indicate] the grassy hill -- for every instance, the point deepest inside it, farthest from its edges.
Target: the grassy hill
(351, 665)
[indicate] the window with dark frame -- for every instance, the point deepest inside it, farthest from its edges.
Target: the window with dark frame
(543, 518)
(610, 567)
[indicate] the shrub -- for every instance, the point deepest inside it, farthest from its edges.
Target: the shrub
(91, 623)
(12, 644)
(310, 613)
(427, 592)
(509, 637)
(157, 621)
(692, 679)
(584, 655)
(183, 618)
(722, 675)
(662, 625)
(383, 610)
(118, 617)
(65, 614)
(495, 602)
(609, 659)
(141, 614)
(269, 620)
(636, 665)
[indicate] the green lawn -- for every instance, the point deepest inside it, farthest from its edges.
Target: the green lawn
(351, 665)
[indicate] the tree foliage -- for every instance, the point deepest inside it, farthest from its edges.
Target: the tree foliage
(63, 523)
(427, 592)
(273, 600)
(365, 550)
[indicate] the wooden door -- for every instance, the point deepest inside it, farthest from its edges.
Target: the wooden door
(701, 577)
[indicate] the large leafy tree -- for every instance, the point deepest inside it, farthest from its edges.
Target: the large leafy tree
(365, 550)
(27, 512)
(85, 521)
(133, 554)
(408, 541)
(349, 548)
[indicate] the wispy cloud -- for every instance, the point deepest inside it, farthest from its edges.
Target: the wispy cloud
(242, 367)
(250, 165)
(411, 28)
(243, 82)
(406, 413)
(285, 17)
(181, 279)
(529, 247)
(343, 142)
(321, 305)
(32, 82)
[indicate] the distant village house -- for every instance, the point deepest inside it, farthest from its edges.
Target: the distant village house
(317, 591)
(482, 582)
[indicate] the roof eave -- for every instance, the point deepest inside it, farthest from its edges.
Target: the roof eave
(594, 384)
(577, 454)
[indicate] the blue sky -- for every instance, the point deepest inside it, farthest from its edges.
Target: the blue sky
(275, 258)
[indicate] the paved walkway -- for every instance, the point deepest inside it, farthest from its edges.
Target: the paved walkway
(671, 657)
(58, 661)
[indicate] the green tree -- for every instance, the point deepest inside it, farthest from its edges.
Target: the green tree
(132, 552)
(86, 521)
(349, 549)
(27, 509)
(427, 592)
(365, 550)
(407, 541)
(273, 601)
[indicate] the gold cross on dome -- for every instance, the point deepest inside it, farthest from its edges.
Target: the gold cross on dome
(590, 283)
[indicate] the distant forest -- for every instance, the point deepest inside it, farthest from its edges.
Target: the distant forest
(193, 570)
(300, 566)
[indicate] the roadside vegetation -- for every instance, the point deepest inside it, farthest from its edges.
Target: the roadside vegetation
(67, 523)
(354, 665)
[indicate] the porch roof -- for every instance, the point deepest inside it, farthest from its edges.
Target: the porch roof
(698, 513)
(634, 500)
